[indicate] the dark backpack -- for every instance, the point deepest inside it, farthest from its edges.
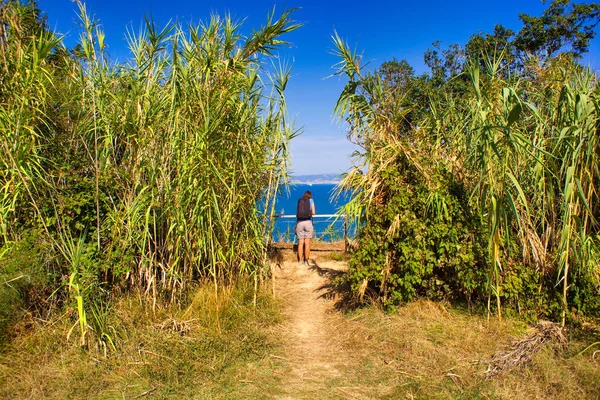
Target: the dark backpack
(303, 212)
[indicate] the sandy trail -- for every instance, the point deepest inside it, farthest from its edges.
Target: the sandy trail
(313, 353)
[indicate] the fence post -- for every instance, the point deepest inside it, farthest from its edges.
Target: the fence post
(345, 235)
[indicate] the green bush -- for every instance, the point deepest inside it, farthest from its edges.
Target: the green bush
(415, 242)
(27, 279)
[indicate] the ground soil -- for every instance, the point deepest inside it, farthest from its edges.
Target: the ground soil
(316, 364)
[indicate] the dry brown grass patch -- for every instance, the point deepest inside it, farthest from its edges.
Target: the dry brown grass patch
(431, 350)
(206, 350)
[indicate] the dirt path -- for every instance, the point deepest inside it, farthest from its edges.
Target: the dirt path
(316, 361)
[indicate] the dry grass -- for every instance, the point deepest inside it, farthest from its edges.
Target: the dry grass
(428, 350)
(211, 349)
(522, 351)
(224, 348)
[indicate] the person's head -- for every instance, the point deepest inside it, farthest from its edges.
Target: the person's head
(307, 194)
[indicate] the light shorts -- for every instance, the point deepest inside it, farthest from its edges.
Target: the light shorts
(304, 229)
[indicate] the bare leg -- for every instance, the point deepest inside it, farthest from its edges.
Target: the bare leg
(306, 249)
(301, 247)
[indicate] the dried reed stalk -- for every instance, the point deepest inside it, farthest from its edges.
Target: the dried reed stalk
(522, 351)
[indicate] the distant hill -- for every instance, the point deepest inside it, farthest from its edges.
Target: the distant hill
(316, 179)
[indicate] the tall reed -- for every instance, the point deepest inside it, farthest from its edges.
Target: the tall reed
(523, 145)
(161, 162)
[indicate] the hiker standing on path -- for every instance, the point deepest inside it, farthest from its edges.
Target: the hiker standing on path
(304, 226)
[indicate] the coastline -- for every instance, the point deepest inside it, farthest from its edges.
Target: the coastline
(323, 179)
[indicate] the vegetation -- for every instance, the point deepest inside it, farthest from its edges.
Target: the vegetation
(429, 350)
(210, 348)
(481, 178)
(225, 348)
(143, 175)
(132, 250)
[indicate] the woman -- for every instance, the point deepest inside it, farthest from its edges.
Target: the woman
(304, 226)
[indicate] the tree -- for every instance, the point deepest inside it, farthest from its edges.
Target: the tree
(444, 64)
(563, 25)
(498, 45)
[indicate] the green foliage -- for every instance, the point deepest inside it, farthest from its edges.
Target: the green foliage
(26, 282)
(428, 248)
(144, 174)
(490, 190)
(563, 23)
(331, 233)
(584, 295)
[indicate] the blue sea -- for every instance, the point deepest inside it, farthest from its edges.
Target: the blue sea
(326, 228)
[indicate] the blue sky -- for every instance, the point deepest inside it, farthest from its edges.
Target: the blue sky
(380, 30)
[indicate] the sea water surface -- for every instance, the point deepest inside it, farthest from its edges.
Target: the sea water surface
(326, 228)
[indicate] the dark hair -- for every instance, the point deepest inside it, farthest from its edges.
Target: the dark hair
(307, 194)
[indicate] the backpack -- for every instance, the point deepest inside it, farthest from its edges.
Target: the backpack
(303, 212)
